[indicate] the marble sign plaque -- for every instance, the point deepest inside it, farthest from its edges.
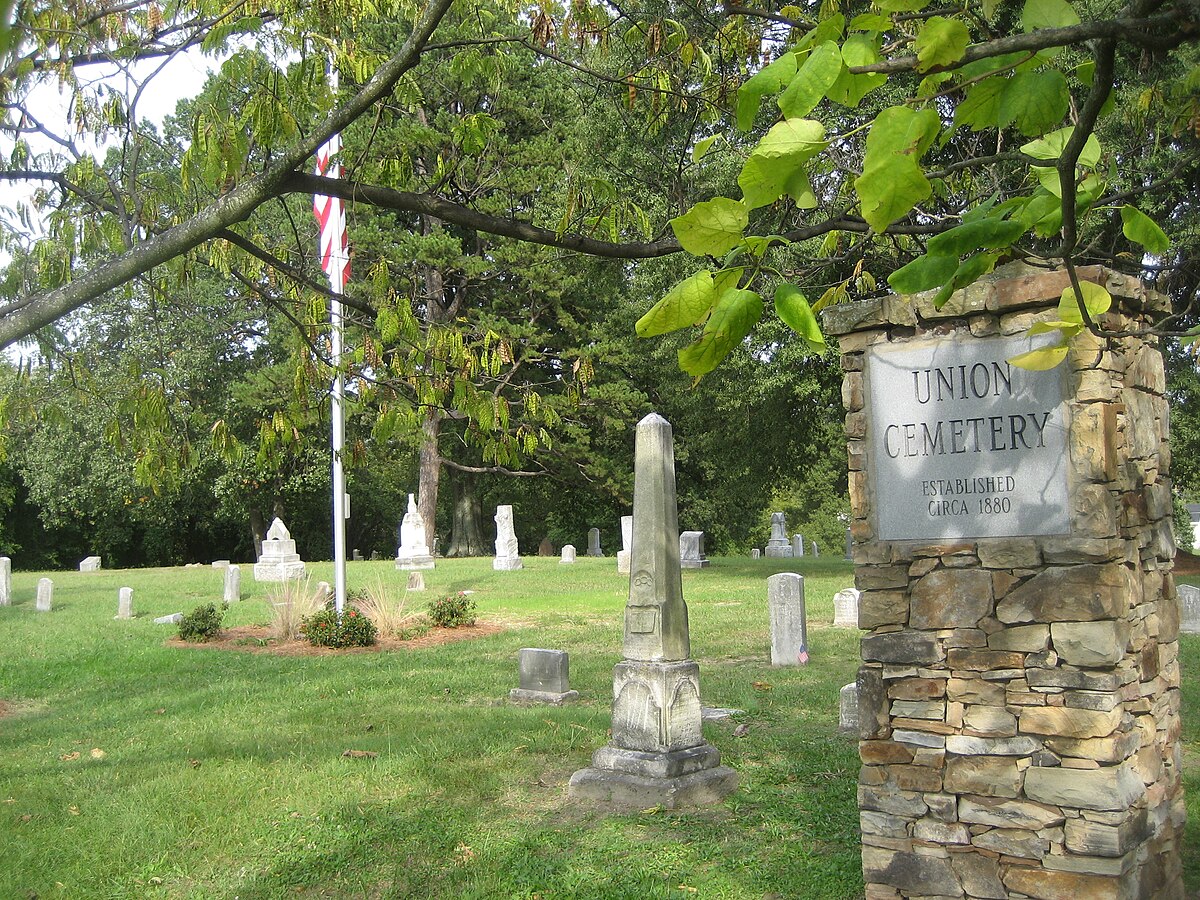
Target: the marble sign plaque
(963, 444)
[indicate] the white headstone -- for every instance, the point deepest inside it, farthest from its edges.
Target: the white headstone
(1189, 613)
(845, 608)
(778, 547)
(324, 590)
(789, 626)
(414, 544)
(5, 581)
(172, 619)
(278, 560)
(124, 603)
(691, 550)
(90, 564)
(755, 553)
(45, 594)
(356, 555)
(416, 581)
(220, 563)
(626, 545)
(233, 584)
(816, 551)
(508, 556)
(568, 553)
(797, 545)
(848, 708)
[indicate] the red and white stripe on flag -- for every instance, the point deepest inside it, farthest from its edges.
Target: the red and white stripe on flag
(331, 213)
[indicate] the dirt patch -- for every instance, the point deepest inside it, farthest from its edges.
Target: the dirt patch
(1186, 563)
(6, 709)
(258, 639)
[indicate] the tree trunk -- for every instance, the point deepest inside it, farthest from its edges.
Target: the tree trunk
(258, 531)
(467, 538)
(429, 473)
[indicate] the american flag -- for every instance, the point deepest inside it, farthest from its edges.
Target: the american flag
(331, 216)
(802, 657)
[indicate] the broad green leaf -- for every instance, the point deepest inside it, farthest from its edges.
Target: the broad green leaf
(1047, 176)
(992, 234)
(1140, 228)
(803, 138)
(1095, 298)
(702, 147)
(813, 79)
(685, 304)
(1051, 146)
(793, 309)
(901, 5)
(1043, 214)
(1034, 101)
(1039, 14)
(758, 245)
(1040, 360)
(870, 22)
(923, 274)
(735, 314)
(980, 107)
(892, 182)
(968, 272)
(940, 41)
(763, 181)
(848, 90)
(1067, 329)
(711, 228)
(829, 29)
(767, 80)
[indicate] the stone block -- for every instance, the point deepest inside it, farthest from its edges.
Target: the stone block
(901, 647)
(884, 752)
(1019, 842)
(1005, 813)
(1098, 839)
(973, 660)
(989, 721)
(966, 745)
(1106, 788)
(951, 598)
(985, 776)
(979, 875)
(1066, 594)
(975, 690)
(568, 554)
(1061, 721)
(90, 564)
(912, 873)
(1046, 884)
(622, 790)
(656, 706)
(1090, 644)
(544, 676)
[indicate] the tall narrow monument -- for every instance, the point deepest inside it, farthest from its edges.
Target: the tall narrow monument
(508, 555)
(657, 755)
(414, 546)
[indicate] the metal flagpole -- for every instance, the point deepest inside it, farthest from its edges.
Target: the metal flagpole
(331, 213)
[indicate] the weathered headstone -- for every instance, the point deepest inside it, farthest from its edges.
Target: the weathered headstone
(375, 557)
(778, 546)
(232, 592)
(1013, 544)
(755, 553)
(626, 545)
(45, 594)
(816, 551)
(416, 581)
(5, 581)
(124, 603)
(546, 547)
(172, 619)
(413, 552)
(691, 550)
(1189, 608)
(324, 591)
(356, 555)
(848, 722)
(90, 564)
(797, 545)
(278, 560)
(568, 553)
(789, 626)
(508, 556)
(845, 608)
(594, 542)
(657, 755)
(543, 676)
(220, 563)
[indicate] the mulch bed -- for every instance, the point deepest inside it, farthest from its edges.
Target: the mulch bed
(1186, 563)
(257, 639)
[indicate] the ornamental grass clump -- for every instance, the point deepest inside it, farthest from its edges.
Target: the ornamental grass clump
(452, 610)
(202, 624)
(390, 614)
(325, 629)
(291, 602)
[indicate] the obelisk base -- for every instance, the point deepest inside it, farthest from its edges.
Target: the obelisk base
(624, 779)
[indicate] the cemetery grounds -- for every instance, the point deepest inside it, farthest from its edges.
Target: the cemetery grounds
(132, 767)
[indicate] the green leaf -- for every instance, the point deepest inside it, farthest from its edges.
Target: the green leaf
(803, 138)
(811, 82)
(1095, 297)
(980, 107)
(767, 80)
(1034, 101)
(1066, 329)
(734, 316)
(940, 41)
(892, 182)
(1051, 147)
(923, 274)
(1039, 14)
(763, 181)
(1043, 214)
(687, 303)
(711, 228)
(702, 147)
(901, 5)
(848, 90)
(992, 233)
(870, 22)
(968, 272)
(1140, 228)
(1040, 360)
(793, 309)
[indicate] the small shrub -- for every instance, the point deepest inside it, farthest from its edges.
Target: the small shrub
(452, 610)
(202, 624)
(325, 630)
(291, 602)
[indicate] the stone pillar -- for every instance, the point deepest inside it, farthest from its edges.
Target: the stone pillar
(5, 581)
(789, 625)
(233, 584)
(45, 594)
(1019, 697)
(124, 603)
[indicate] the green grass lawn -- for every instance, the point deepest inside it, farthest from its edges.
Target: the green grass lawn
(221, 774)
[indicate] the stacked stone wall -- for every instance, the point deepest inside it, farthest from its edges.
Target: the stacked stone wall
(1019, 696)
